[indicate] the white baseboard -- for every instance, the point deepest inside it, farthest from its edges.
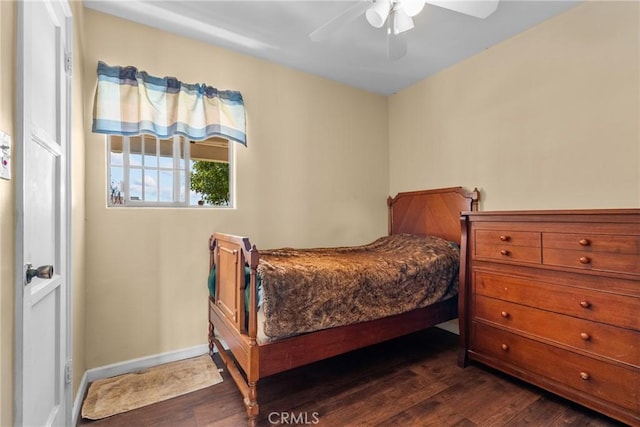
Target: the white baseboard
(77, 402)
(129, 366)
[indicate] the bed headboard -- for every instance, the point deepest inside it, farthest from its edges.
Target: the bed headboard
(434, 212)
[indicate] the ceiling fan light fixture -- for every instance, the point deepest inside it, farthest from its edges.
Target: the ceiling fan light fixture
(412, 7)
(378, 12)
(401, 21)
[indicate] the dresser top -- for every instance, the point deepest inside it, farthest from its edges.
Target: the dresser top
(626, 211)
(631, 215)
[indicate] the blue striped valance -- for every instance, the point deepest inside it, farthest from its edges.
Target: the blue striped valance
(131, 102)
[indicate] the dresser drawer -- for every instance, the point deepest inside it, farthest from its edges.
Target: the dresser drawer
(597, 338)
(522, 246)
(617, 263)
(602, 252)
(603, 307)
(606, 243)
(605, 381)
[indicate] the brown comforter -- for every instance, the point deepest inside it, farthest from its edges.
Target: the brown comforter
(313, 289)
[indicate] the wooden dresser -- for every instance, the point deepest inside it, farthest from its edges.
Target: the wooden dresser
(553, 298)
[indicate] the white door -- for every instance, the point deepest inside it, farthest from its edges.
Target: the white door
(42, 389)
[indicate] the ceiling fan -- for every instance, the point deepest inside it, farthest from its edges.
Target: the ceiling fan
(398, 16)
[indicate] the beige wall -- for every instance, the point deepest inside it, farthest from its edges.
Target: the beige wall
(7, 49)
(315, 173)
(546, 120)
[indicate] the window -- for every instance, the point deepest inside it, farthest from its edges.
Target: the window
(147, 171)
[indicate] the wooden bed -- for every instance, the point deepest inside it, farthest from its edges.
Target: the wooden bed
(429, 212)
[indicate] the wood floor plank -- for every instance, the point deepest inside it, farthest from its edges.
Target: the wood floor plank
(410, 381)
(379, 401)
(437, 415)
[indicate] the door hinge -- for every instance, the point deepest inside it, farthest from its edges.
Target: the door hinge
(67, 372)
(68, 62)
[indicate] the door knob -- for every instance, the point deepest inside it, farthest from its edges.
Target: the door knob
(42, 272)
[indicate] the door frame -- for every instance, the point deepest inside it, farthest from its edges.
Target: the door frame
(66, 209)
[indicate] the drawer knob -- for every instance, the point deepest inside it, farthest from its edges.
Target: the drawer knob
(504, 347)
(504, 314)
(585, 336)
(585, 304)
(584, 242)
(584, 375)
(505, 238)
(504, 252)
(584, 259)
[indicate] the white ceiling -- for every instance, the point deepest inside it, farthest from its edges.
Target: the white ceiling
(278, 31)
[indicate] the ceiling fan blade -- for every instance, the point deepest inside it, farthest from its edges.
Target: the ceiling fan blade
(338, 21)
(396, 41)
(478, 8)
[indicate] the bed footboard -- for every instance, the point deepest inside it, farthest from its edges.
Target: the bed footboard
(230, 256)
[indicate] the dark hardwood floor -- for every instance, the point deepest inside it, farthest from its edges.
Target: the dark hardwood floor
(410, 381)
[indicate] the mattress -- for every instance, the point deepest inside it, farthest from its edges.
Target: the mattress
(306, 290)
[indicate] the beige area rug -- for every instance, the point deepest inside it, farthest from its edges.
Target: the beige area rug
(123, 393)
